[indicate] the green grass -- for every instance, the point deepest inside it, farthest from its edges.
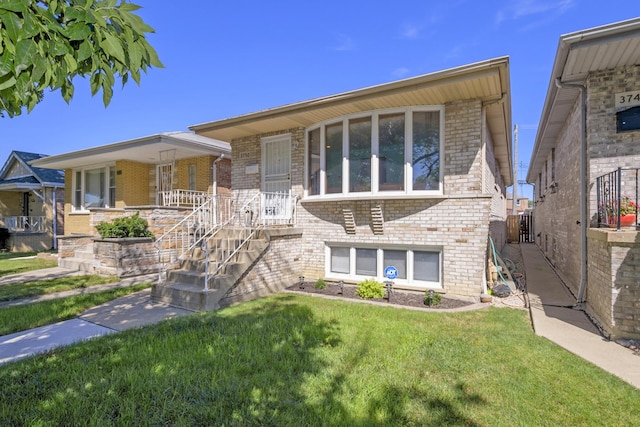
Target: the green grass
(15, 291)
(23, 317)
(10, 265)
(301, 361)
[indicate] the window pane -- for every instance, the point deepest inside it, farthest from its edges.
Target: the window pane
(398, 259)
(426, 150)
(334, 157)
(366, 262)
(360, 154)
(192, 177)
(77, 202)
(340, 260)
(94, 186)
(391, 149)
(426, 266)
(112, 187)
(314, 162)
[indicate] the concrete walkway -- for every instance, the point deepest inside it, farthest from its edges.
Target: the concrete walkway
(131, 311)
(554, 318)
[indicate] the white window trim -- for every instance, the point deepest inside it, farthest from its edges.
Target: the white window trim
(375, 192)
(409, 283)
(82, 208)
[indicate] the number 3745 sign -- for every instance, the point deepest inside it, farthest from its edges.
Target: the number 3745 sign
(628, 99)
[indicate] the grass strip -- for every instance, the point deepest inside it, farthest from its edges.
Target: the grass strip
(20, 318)
(303, 361)
(10, 265)
(15, 291)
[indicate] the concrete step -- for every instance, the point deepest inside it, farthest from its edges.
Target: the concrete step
(77, 264)
(83, 254)
(187, 296)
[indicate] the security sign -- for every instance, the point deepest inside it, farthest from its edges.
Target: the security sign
(390, 272)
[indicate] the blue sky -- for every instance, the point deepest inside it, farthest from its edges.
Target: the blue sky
(225, 58)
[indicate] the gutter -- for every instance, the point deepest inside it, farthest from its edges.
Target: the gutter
(583, 187)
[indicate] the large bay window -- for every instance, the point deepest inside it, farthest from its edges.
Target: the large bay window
(94, 188)
(395, 151)
(418, 267)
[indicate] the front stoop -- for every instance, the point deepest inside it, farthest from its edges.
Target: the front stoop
(184, 287)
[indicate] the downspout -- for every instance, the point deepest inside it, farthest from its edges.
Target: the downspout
(583, 187)
(55, 217)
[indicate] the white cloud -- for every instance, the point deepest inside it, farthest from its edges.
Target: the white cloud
(345, 43)
(400, 72)
(410, 31)
(535, 12)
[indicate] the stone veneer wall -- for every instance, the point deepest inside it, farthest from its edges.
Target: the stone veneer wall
(125, 257)
(613, 290)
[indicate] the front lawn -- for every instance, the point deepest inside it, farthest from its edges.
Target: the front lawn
(16, 262)
(291, 360)
(15, 291)
(28, 316)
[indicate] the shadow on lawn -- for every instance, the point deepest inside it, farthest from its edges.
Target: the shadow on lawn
(253, 364)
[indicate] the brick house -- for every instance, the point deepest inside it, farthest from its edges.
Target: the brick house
(163, 177)
(410, 174)
(30, 203)
(589, 126)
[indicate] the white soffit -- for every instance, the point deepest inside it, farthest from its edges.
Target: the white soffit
(579, 54)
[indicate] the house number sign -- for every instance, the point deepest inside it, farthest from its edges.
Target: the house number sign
(628, 99)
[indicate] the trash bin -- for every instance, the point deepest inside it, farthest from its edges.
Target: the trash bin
(4, 238)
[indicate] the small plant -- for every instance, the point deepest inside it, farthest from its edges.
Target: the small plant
(320, 284)
(131, 226)
(369, 289)
(432, 298)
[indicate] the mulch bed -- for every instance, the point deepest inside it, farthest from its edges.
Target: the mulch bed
(406, 299)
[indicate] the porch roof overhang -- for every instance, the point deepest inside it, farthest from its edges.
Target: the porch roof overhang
(151, 149)
(579, 54)
(487, 81)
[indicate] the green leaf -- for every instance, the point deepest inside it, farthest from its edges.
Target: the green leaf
(84, 51)
(15, 5)
(29, 27)
(7, 81)
(13, 25)
(6, 64)
(112, 47)
(135, 56)
(67, 91)
(78, 31)
(39, 68)
(107, 93)
(26, 52)
(72, 65)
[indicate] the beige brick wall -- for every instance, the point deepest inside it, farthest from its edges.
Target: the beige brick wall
(132, 184)
(457, 224)
(613, 293)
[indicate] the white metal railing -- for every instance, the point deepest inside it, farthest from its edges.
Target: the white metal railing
(184, 198)
(261, 210)
(178, 240)
(203, 228)
(24, 224)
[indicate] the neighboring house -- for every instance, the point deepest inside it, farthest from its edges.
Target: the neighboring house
(31, 200)
(163, 177)
(590, 127)
(409, 174)
(522, 205)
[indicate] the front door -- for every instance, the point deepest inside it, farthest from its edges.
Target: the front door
(164, 183)
(276, 177)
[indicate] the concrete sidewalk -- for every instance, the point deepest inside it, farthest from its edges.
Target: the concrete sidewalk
(131, 311)
(554, 318)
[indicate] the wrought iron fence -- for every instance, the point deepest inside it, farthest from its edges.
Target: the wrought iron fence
(617, 198)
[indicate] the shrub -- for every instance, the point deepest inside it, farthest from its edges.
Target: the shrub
(320, 284)
(131, 226)
(432, 298)
(370, 288)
